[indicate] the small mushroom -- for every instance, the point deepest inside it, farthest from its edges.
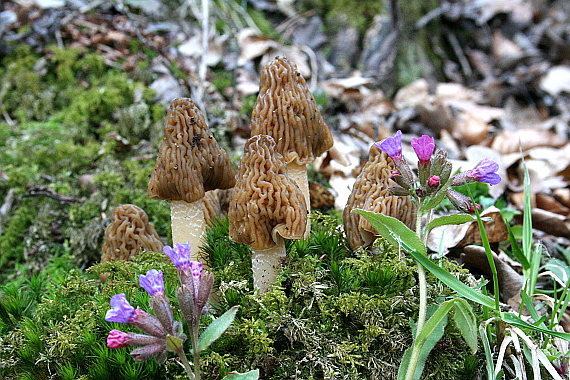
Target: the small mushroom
(189, 163)
(129, 233)
(286, 110)
(371, 193)
(266, 206)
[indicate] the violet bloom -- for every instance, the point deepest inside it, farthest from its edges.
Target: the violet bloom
(424, 147)
(121, 311)
(180, 255)
(484, 172)
(392, 146)
(117, 339)
(153, 282)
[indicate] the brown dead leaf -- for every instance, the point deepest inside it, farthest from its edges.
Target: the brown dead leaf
(253, 45)
(412, 95)
(550, 223)
(453, 236)
(510, 142)
(495, 228)
(474, 258)
(562, 195)
(549, 203)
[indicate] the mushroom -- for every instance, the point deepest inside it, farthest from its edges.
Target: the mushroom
(371, 193)
(286, 110)
(129, 233)
(189, 163)
(215, 205)
(266, 206)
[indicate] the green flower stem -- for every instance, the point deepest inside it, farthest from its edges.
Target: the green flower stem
(186, 364)
(422, 283)
(195, 351)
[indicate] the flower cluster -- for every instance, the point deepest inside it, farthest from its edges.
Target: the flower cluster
(162, 332)
(434, 172)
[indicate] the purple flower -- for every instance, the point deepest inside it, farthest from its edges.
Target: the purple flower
(197, 268)
(392, 146)
(153, 282)
(424, 147)
(486, 172)
(117, 339)
(121, 311)
(180, 255)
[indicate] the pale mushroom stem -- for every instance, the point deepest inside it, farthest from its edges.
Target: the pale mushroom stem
(298, 173)
(188, 225)
(266, 264)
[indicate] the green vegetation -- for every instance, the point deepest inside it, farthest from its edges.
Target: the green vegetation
(331, 315)
(69, 156)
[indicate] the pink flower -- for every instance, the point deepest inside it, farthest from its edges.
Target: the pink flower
(433, 181)
(392, 146)
(117, 339)
(153, 282)
(424, 147)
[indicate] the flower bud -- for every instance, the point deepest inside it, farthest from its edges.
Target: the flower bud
(433, 181)
(161, 307)
(461, 202)
(398, 190)
(157, 350)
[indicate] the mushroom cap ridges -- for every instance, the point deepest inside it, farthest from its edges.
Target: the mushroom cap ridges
(189, 162)
(371, 193)
(266, 204)
(129, 232)
(286, 110)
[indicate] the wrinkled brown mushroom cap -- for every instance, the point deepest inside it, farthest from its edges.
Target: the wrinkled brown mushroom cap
(189, 162)
(286, 110)
(370, 193)
(266, 204)
(129, 233)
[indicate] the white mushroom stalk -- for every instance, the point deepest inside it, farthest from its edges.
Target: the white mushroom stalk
(189, 163)
(266, 206)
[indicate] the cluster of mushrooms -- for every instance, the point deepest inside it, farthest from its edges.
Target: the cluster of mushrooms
(269, 198)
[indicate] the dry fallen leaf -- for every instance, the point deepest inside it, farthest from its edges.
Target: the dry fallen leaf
(512, 141)
(474, 258)
(453, 236)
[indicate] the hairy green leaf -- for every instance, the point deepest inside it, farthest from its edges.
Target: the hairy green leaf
(466, 322)
(216, 328)
(393, 229)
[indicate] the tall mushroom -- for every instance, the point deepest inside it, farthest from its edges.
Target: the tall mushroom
(286, 110)
(129, 233)
(266, 206)
(371, 193)
(189, 163)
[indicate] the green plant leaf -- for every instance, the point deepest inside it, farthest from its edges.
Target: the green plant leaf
(251, 375)
(452, 282)
(449, 219)
(395, 229)
(516, 249)
(216, 328)
(466, 322)
(514, 320)
(425, 342)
